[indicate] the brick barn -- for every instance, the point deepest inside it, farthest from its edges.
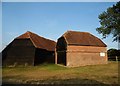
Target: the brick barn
(29, 49)
(79, 49)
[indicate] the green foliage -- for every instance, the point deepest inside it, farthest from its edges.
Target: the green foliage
(112, 52)
(110, 22)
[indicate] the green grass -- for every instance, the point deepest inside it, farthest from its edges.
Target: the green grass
(54, 74)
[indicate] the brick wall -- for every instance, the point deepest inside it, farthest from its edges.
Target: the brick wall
(85, 55)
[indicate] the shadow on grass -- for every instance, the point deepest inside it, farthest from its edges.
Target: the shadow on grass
(65, 81)
(51, 82)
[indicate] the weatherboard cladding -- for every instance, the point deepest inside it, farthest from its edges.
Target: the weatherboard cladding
(29, 49)
(82, 39)
(38, 41)
(19, 51)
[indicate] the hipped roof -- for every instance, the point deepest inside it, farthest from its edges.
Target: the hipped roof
(82, 39)
(38, 41)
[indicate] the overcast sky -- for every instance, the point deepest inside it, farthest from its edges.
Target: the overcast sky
(51, 20)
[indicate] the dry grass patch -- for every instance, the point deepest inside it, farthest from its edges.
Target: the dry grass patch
(54, 74)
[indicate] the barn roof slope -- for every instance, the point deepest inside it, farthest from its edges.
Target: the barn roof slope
(38, 41)
(82, 39)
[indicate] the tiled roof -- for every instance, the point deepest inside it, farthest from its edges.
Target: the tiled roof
(82, 38)
(38, 41)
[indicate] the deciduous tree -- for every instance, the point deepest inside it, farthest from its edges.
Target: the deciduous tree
(110, 22)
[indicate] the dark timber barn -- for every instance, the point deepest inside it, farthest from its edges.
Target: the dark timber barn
(29, 49)
(79, 49)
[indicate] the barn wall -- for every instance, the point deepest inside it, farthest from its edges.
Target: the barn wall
(85, 55)
(20, 52)
(44, 56)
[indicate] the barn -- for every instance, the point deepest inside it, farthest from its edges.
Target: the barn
(29, 49)
(76, 48)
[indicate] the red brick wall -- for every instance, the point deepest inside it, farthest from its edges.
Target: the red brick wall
(85, 55)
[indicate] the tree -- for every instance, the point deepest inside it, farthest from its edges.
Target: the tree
(112, 52)
(110, 22)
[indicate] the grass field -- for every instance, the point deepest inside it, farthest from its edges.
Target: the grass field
(54, 74)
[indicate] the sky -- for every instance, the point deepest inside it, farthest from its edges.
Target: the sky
(52, 19)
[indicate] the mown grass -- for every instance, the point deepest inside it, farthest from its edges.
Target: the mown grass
(54, 74)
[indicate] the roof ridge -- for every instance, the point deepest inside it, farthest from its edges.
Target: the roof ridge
(29, 34)
(77, 31)
(77, 37)
(65, 33)
(41, 36)
(74, 31)
(38, 41)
